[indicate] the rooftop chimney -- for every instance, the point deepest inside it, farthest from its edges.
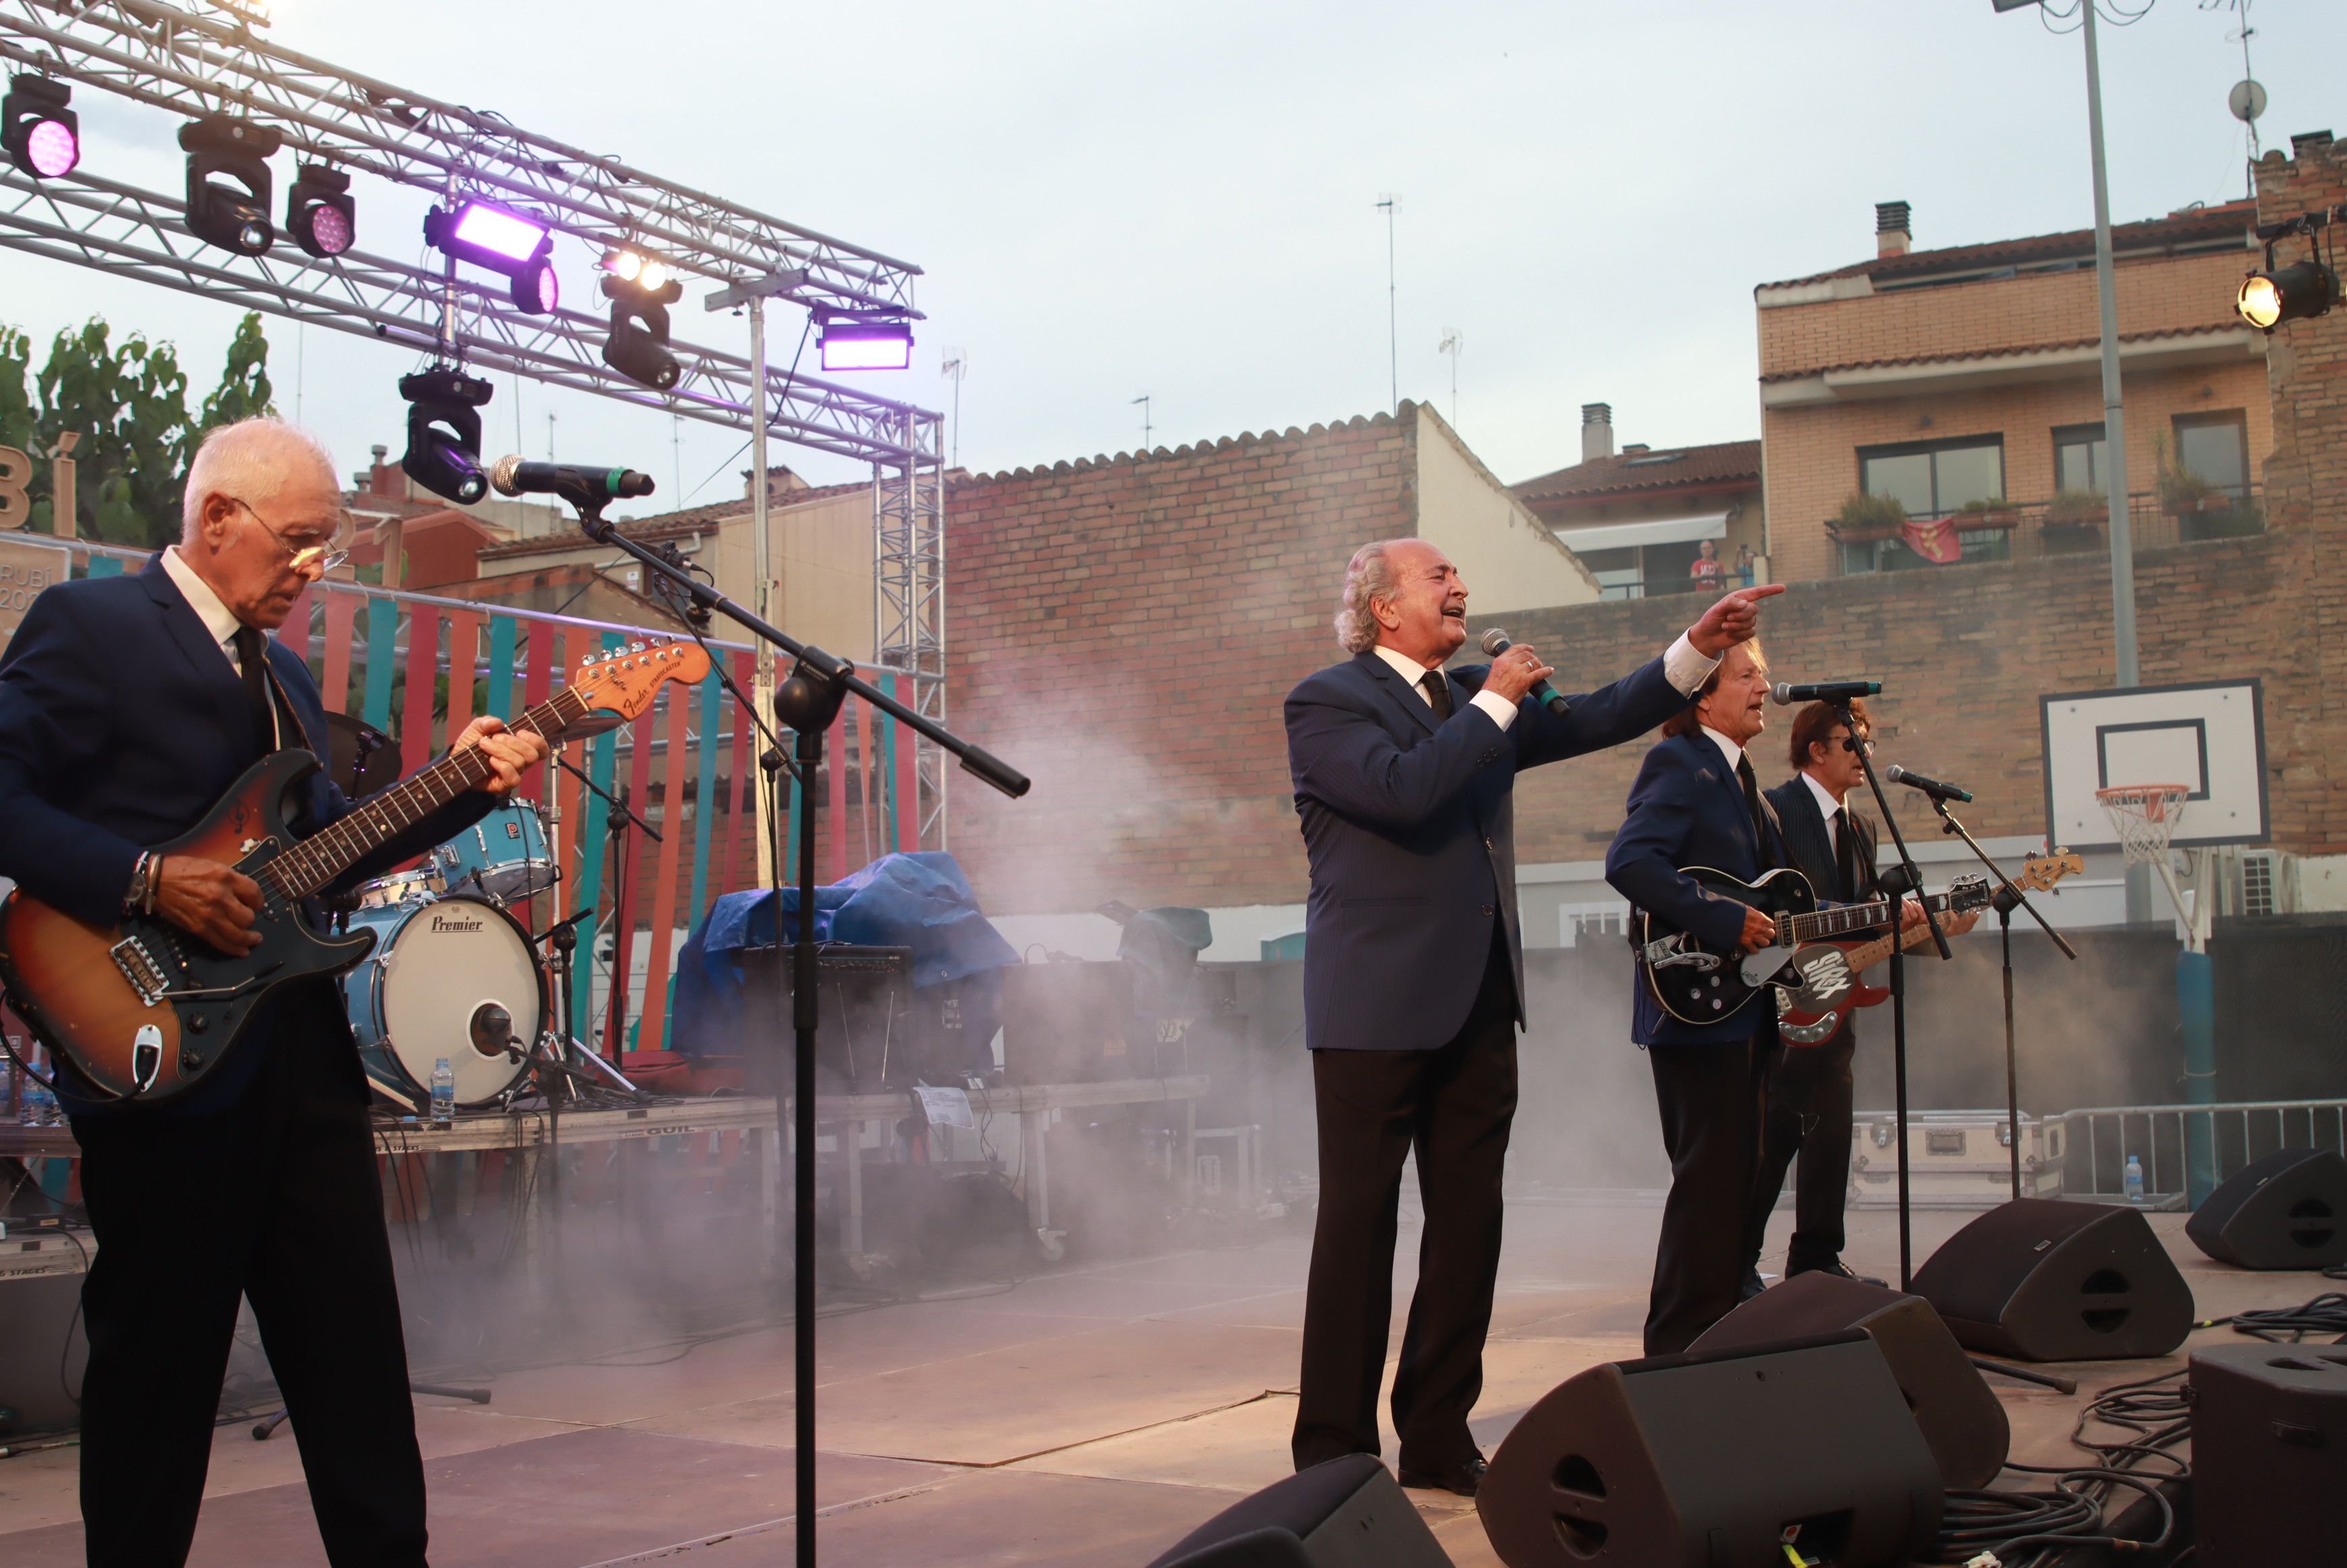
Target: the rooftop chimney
(1596, 431)
(2309, 141)
(1894, 228)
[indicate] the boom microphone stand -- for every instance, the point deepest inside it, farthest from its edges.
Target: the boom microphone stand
(1905, 879)
(2008, 895)
(807, 702)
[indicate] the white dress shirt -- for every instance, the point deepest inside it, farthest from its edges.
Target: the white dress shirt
(217, 618)
(1728, 749)
(1683, 666)
(1826, 804)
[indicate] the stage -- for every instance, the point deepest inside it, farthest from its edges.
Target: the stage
(1091, 1415)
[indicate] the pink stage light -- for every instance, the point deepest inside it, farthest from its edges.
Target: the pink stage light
(494, 230)
(867, 346)
(53, 147)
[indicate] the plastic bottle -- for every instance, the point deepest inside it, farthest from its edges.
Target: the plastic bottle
(2134, 1179)
(27, 1112)
(444, 1093)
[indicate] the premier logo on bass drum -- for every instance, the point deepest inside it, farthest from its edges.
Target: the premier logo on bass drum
(454, 923)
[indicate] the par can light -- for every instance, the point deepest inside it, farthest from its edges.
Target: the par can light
(2296, 293)
(319, 212)
(228, 182)
(41, 136)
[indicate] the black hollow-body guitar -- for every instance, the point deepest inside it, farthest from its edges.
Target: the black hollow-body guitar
(1696, 982)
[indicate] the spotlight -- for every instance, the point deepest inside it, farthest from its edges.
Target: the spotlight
(444, 433)
(228, 182)
(649, 273)
(319, 212)
(853, 342)
(2289, 294)
(503, 241)
(638, 346)
(43, 137)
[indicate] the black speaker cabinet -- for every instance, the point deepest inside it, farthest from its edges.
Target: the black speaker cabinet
(2269, 1454)
(2042, 1280)
(2287, 1210)
(1961, 1417)
(1718, 1461)
(1344, 1513)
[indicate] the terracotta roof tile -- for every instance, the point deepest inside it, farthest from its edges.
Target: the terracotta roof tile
(1668, 468)
(2193, 226)
(1958, 356)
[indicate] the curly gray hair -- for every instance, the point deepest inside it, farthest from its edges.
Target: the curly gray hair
(1368, 577)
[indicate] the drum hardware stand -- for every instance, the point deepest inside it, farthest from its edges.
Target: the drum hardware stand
(562, 937)
(623, 816)
(2008, 895)
(1902, 880)
(807, 703)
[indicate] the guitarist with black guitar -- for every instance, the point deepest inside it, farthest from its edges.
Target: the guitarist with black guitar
(1810, 1089)
(128, 707)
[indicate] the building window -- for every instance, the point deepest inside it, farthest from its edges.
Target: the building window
(1616, 572)
(2081, 459)
(1930, 480)
(1637, 571)
(2216, 446)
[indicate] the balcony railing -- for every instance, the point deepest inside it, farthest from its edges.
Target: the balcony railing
(2033, 531)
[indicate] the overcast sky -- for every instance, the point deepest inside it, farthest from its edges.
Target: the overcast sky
(1112, 200)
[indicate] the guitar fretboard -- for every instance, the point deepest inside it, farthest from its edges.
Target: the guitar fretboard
(1821, 924)
(313, 864)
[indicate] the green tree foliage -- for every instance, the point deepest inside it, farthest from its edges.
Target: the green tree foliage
(128, 403)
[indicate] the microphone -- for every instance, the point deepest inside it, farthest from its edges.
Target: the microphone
(1495, 643)
(583, 487)
(1932, 787)
(1824, 691)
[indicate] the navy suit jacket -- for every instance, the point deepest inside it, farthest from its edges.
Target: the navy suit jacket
(1688, 809)
(1409, 825)
(121, 723)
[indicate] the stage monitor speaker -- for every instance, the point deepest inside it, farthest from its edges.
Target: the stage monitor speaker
(2269, 1454)
(1961, 1418)
(1342, 1513)
(1718, 1461)
(2287, 1210)
(2043, 1280)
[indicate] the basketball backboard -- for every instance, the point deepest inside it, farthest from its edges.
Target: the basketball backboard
(2210, 736)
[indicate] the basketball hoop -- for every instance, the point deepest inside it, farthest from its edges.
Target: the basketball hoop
(2145, 816)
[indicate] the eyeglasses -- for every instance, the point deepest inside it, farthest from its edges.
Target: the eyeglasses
(317, 554)
(1849, 744)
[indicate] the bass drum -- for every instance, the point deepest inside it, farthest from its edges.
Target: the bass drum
(455, 977)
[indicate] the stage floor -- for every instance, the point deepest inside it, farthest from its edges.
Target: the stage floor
(1091, 1415)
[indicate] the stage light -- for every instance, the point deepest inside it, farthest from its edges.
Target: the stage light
(638, 346)
(228, 182)
(503, 241)
(647, 272)
(866, 342)
(2289, 294)
(43, 137)
(444, 433)
(319, 212)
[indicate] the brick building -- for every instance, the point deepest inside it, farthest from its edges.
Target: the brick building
(1124, 630)
(1966, 382)
(1638, 518)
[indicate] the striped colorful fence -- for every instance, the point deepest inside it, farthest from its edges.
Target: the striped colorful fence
(421, 668)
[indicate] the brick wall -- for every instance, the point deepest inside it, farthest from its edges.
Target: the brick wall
(1126, 630)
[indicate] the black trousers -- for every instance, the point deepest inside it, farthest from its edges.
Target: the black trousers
(1452, 1106)
(1808, 1116)
(1711, 1098)
(275, 1200)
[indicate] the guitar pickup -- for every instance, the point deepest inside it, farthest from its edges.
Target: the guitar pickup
(140, 967)
(1665, 953)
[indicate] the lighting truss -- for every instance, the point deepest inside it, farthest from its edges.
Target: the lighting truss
(909, 591)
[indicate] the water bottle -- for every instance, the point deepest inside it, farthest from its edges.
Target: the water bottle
(444, 1093)
(27, 1113)
(2134, 1179)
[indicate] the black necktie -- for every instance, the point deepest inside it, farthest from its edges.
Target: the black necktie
(1846, 853)
(254, 662)
(1752, 804)
(1436, 687)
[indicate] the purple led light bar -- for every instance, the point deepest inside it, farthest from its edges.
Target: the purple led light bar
(867, 346)
(494, 230)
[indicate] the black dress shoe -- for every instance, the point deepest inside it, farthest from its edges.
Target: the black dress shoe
(1840, 1270)
(1462, 1479)
(1752, 1286)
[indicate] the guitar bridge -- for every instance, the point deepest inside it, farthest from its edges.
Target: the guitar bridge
(140, 967)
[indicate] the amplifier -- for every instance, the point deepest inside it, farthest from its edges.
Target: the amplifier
(1955, 1159)
(865, 1032)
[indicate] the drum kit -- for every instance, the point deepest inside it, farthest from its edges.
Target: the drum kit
(456, 972)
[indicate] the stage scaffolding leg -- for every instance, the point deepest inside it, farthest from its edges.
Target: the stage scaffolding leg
(908, 587)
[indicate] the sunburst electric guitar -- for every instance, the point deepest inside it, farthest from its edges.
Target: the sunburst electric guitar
(1829, 985)
(145, 1011)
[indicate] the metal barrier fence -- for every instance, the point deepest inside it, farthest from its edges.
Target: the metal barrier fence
(2097, 1140)
(420, 668)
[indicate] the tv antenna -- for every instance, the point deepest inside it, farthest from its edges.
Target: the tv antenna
(2248, 99)
(1387, 204)
(955, 365)
(1142, 403)
(1453, 343)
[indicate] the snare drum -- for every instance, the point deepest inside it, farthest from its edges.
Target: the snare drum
(504, 855)
(455, 977)
(424, 882)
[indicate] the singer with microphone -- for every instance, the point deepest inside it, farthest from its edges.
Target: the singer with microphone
(1413, 979)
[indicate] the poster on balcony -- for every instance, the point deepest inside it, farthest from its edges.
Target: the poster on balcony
(1933, 539)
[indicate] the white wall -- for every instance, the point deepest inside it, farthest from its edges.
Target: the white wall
(1508, 558)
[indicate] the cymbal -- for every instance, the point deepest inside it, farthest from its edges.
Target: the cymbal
(359, 776)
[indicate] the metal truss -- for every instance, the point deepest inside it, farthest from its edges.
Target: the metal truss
(207, 60)
(909, 591)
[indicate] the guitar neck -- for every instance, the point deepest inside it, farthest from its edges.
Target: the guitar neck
(313, 864)
(1842, 919)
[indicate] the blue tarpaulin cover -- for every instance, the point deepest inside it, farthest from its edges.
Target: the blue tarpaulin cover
(921, 901)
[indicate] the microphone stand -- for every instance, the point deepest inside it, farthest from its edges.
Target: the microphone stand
(807, 703)
(1909, 879)
(2006, 897)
